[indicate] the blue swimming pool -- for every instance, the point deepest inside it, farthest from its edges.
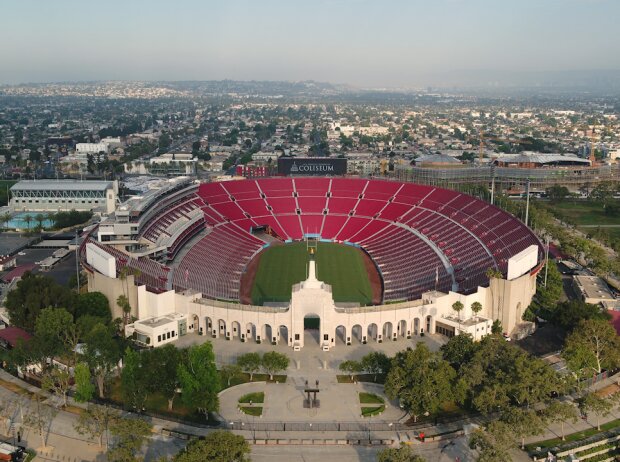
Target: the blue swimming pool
(20, 221)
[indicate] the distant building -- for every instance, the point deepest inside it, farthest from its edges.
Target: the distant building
(265, 156)
(538, 160)
(92, 148)
(63, 195)
(253, 171)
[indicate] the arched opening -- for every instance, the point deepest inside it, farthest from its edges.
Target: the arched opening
(195, 325)
(357, 334)
(267, 333)
(387, 331)
(250, 332)
(283, 331)
(236, 329)
(403, 330)
(312, 329)
(209, 327)
(221, 331)
(429, 325)
(417, 325)
(341, 335)
(373, 332)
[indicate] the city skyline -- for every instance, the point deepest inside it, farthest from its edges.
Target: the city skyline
(356, 42)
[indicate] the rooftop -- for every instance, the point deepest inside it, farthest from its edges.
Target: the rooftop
(593, 287)
(67, 185)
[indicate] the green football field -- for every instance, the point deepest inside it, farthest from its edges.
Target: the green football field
(342, 266)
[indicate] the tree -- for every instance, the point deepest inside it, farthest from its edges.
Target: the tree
(84, 387)
(592, 347)
(40, 417)
(28, 219)
(130, 435)
(40, 218)
(557, 193)
(351, 367)
(591, 402)
(402, 454)
(93, 304)
(376, 363)
(134, 381)
(569, 314)
(458, 350)
(274, 362)
(217, 446)
(199, 380)
(123, 303)
(34, 293)
(421, 380)
(547, 296)
(501, 375)
(102, 355)
(94, 422)
(458, 307)
(250, 363)
(476, 308)
(161, 366)
(57, 381)
(5, 218)
(497, 327)
(524, 422)
(493, 443)
(560, 412)
(50, 328)
(228, 372)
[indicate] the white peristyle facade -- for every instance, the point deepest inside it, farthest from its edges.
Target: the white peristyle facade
(504, 300)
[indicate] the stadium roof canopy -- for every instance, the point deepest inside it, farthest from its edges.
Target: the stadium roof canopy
(542, 159)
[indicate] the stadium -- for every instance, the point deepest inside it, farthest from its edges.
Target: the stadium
(358, 259)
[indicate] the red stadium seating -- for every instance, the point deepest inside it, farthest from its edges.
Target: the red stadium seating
(420, 237)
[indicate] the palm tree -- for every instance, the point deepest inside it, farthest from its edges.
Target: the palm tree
(28, 219)
(458, 307)
(476, 308)
(5, 217)
(51, 217)
(40, 218)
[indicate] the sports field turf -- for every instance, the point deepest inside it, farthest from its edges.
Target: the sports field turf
(341, 266)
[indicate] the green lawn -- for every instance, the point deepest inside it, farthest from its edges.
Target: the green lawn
(582, 213)
(573, 436)
(370, 398)
(258, 397)
(342, 266)
(371, 411)
(255, 411)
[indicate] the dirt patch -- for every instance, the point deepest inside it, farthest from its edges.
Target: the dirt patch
(375, 279)
(247, 280)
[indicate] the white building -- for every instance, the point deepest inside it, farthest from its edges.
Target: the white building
(91, 148)
(157, 331)
(63, 195)
(171, 163)
(265, 156)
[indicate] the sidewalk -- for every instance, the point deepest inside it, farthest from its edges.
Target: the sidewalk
(64, 442)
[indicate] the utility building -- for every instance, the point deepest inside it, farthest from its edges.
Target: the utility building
(63, 195)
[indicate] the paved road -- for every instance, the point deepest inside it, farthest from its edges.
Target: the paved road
(65, 444)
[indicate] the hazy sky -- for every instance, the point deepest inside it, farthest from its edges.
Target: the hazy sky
(360, 42)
